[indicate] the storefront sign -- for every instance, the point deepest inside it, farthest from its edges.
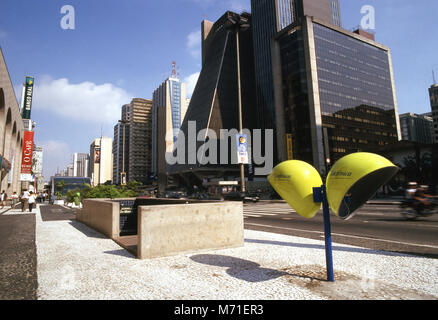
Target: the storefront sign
(26, 162)
(28, 94)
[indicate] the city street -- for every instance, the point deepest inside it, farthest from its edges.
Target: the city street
(48, 255)
(377, 227)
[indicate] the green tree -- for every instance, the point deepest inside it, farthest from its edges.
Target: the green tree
(59, 186)
(109, 191)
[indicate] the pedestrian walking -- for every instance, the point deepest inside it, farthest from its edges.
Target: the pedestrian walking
(3, 198)
(31, 200)
(14, 199)
(24, 200)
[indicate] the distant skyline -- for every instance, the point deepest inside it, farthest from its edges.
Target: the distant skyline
(124, 49)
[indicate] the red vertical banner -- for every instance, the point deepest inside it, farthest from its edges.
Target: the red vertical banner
(26, 160)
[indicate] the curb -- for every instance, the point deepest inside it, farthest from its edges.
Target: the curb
(384, 202)
(381, 202)
(5, 211)
(8, 209)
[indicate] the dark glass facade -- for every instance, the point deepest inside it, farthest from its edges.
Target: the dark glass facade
(295, 93)
(70, 183)
(264, 26)
(268, 18)
(433, 93)
(356, 95)
(416, 128)
(286, 13)
(175, 100)
(118, 151)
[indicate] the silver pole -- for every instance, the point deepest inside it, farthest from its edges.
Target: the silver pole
(242, 166)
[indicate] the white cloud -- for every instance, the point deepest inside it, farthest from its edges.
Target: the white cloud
(194, 44)
(56, 155)
(239, 5)
(84, 101)
(54, 146)
(191, 81)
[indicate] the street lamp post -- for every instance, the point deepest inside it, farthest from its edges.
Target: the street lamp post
(236, 23)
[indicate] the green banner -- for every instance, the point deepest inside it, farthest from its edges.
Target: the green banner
(28, 93)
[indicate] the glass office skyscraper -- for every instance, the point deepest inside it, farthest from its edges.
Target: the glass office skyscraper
(176, 103)
(334, 93)
(286, 13)
(264, 25)
(168, 111)
(417, 128)
(289, 11)
(268, 18)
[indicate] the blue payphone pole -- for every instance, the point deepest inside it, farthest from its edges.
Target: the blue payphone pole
(320, 195)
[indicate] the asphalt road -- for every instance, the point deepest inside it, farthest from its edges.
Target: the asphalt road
(376, 227)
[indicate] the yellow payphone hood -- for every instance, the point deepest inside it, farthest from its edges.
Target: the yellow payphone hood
(354, 179)
(294, 181)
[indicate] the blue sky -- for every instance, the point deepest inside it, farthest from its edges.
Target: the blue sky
(124, 49)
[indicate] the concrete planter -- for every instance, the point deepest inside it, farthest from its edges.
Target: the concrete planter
(168, 227)
(165, 230)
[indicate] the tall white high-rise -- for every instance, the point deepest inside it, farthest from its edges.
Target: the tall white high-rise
(168, 111)
(101, 158)
(80, 164)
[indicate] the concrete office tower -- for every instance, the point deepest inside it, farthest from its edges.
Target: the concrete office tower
(117, 153)
(120, 151)
(168, 112)
(334, 93)
(139, 119)
(121, 145)
(69, 170)
(80, 164)
(101, 161)
(433, 93)
(416, 128)
(11, 133)
(132, 148)
(214, 103)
